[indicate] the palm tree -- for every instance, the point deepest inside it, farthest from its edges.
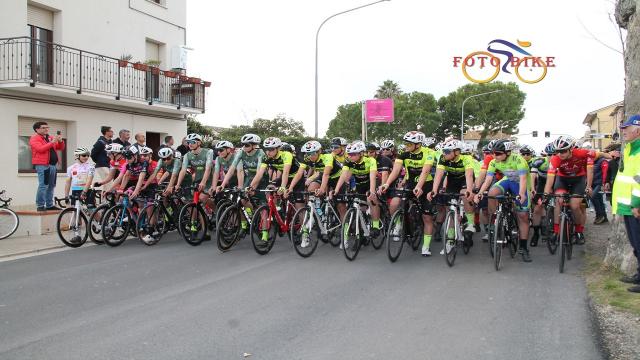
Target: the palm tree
(389, 89)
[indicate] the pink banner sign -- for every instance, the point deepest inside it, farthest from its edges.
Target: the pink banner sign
(379, 110)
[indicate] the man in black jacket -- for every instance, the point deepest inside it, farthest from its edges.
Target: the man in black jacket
(123, 138)
(613, 150)
(99, 154)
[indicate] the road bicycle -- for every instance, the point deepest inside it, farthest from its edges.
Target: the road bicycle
(195, 219)
(9, 220)
(95, 220)
(505, 228)
(405, 225)
(318, 220)
(230, 230)
(454, 219)
(120, 221)
(566, 233)
(159, 217)
(269, 221)
(72, 225)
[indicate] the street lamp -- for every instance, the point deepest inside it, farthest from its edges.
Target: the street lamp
(318, 33)
(462, 117)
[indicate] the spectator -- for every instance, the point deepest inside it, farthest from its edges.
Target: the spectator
(614, 163)
(45, 159)
(141, 139)
(183, 148)
(626, 201)
(168, 142)
(600, 168)
(123, 138)
(99, 154)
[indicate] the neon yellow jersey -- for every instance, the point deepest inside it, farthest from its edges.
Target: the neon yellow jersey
(279, 161)
(324, 161)
(361, 169)
(414, 161)
(455, 168)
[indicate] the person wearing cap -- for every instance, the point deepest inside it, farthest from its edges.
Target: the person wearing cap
(338, 146)
(626, 192)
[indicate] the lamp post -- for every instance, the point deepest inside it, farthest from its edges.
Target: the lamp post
(462, 117)
(318, 33)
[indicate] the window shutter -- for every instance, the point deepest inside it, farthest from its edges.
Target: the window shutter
(40, 17)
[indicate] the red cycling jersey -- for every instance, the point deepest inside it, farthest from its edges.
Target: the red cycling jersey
(574, 166)
(485, 165)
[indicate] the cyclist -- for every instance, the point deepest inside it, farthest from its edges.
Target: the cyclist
(248, 161)
(384, 164)
(169, 164)
(539, 167)
(199, 160)
(417, 162)
(80, 176)
(388, 149)
(516, 180)
(338, 146)
(139, 170)
(483, 204)
(572, 170)
(527, 153)
(117, 167)
(223, 165)
(288, 148)
(459, 179)
(364, 170)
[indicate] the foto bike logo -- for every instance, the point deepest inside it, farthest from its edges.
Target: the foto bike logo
(483, 66)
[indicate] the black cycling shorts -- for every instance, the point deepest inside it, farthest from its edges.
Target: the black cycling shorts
(428, 207)
(573, 185)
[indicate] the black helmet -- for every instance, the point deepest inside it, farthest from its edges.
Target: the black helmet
(340, 141)
(373, 146)
(502, 146)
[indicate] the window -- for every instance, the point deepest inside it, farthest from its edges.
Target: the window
(25, 131)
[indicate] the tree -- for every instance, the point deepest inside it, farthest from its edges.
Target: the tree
(195, 126)
(347, 123)
(388, 90)
(281, 126)
(492, 113)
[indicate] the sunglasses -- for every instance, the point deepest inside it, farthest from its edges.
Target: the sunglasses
(562, 151)
(498, 153)
(84, 155)
(447, 151)
(246, 145)
(191, 142)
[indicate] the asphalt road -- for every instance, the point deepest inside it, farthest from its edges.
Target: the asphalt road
(174, 301)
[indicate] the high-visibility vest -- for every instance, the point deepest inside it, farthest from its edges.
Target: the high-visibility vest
(626, 188)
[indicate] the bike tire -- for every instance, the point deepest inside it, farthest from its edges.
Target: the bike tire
(9, 222)
(298, 226)
(562, 239)
(498, 242)
(95, 224)
(65, 228)
(333, 221)
(378, 241)
(260, 222)
(144, 226)
(449, 243)
(514, 239)
(111, 224)
(416, 226)
(571, 236)
(350, 242)
(395, 235)
(192, 230)
(229, 230)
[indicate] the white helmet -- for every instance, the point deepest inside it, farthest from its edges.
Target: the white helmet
(428, 141)
(439, 146)
(564, 143)
(165, 152)
(222, 144)
(415, 137)
(193, 137)
(177, 155)
(145, 150)
(311, 147)
(466, 148)
(526, 150)
(271, 143)
(356, 147)
(452, 145)
(401, 148)
(114, 148)
(587, 145)
(81, 151)
(250, 139)
(387, 144)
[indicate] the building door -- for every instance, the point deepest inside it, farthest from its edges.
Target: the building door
(153, 141)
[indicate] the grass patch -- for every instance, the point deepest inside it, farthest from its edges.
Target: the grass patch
(605, 288)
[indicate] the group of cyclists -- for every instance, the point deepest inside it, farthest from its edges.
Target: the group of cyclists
(375, 172)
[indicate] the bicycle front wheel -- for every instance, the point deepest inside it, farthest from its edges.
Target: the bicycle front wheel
(95, 224)
(395, 235)
(304, 232)
(72, 227)
(351, 234)
(263, 230)
(228, 231)
(333, 225)
(193, 224)
(498, 241)
(151, 224)
(116, 225)
(416, 226)
(450, 241)
(8, 222)
(378, 241)
(563, 238)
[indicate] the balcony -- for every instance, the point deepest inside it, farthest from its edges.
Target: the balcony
(24, 60)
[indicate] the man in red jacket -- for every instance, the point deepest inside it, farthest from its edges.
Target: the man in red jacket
(44, 158)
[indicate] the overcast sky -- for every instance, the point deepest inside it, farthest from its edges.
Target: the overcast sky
(260, 55)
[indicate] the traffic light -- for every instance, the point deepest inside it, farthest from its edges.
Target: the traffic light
(547, 134)
(535, 134)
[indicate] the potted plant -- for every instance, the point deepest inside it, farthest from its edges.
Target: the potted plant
(184, 78)
(140, 66)
(124, 60)
(170, 73)
(155, 70)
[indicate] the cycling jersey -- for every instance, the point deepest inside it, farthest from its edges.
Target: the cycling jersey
(513, 167)
(283, 158)
(119, 165)
(455, 168)
(137, 168)
(485, 165)
(576, 165)
(198, 162)
(223, 165)
(172, 168)
(324, 161)
(248, 163)
(340, 158)
(384, 163)
(361, 169)
(414, 161)
(79, 174)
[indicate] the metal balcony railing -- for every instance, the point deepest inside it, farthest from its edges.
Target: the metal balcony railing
(25, 59)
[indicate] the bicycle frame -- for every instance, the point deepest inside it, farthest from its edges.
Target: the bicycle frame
(315, 217)
(357, 204)
(275, 214)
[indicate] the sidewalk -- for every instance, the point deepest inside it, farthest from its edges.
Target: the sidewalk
(22, 246)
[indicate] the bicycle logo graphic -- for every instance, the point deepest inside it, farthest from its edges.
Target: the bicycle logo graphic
(530, 69)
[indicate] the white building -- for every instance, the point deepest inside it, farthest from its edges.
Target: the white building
(59, 63)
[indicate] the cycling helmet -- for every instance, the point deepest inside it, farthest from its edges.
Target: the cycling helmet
(563, 143)
(250, 139)
(387, 144)
(339, 141)
(165, 152)
(143, 150)
(114, 148)
(271, 143)
(193, 137)
(288, 147)
(373, 146)
(81, 151)
(439, 146)
(223, 144)
(428, 141)
(356, 147)
(452, 145)
(401, 148)
(503, 146)
(177, 155)
(527, 150)
(490, 144)
(466, 148)
(587, 145)
(414, 137)
(130, 152)
(311, 147)
(485, 149)
(549, 149)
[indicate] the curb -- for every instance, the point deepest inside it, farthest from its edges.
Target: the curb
(35, 251)
(598, 328)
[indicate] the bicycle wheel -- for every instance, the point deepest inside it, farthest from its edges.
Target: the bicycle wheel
(571, 236)
(562, 243)
(304, 238)
(498, 242)
(449, 237)
(116, 225)
(9, 222)
(151, 224)
(229, 230)
(511, 234)
(395, 235)
(552, 240)
(72, 227)
(378, 241)
(333, 224)
(416, 226)
(193, 224)
(95, 224)
(351, 241)
(220, 208)
(263, 230)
